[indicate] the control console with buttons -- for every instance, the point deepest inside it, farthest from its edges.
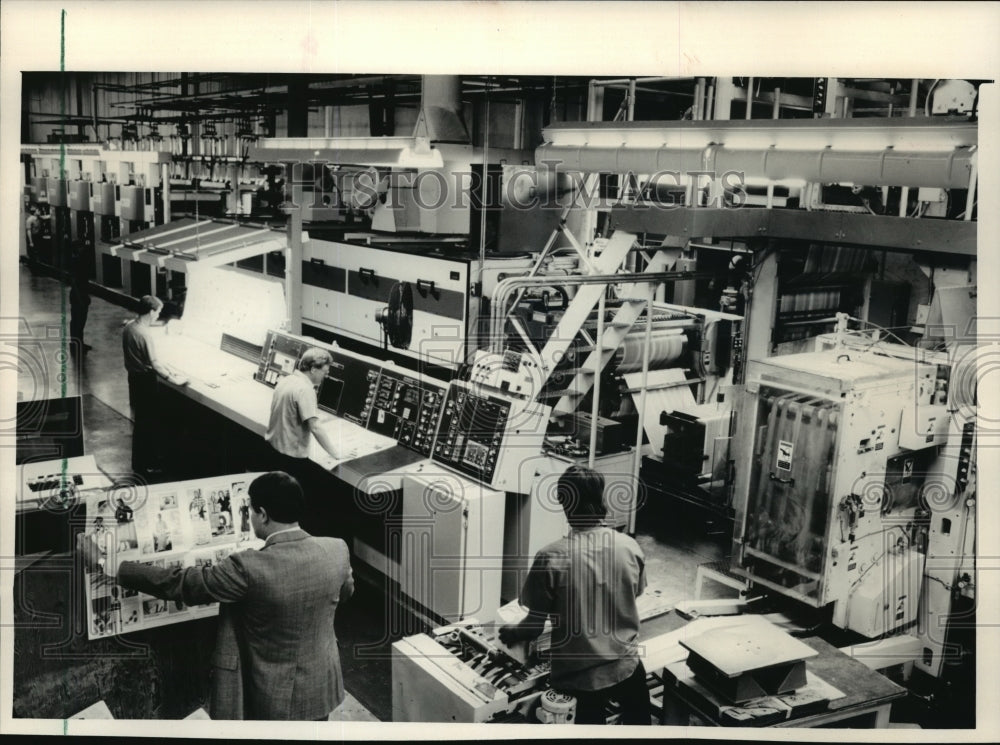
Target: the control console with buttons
(486, 435)
(400, 404)
(406, 409)
(279, 357)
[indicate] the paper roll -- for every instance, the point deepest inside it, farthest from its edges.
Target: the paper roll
(674, 398)
(666, 347)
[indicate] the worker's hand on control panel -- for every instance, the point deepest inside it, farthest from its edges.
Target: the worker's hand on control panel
(169, 373)
(511, 634)
(528, 628)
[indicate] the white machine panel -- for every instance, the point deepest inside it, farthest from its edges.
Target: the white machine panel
(429, 684)
(460, 673)
(451, 555)
(346, 287)
(534, 520)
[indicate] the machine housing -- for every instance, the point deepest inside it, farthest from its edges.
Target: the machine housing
(823, 515)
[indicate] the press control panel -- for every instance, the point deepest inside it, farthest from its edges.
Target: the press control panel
(357, 380)
(279, 357)
(471, 433)
(406, 409)
(400, 404)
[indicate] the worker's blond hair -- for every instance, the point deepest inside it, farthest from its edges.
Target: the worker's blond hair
(314, 357)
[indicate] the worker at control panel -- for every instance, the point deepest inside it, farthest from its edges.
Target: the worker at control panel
(587, 584)
(144, 370)
(295, 418)
(295, 411)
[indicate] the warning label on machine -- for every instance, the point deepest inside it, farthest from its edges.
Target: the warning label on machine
(785, 455)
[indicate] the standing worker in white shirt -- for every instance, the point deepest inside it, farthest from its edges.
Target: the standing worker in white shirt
(294, 420)
(295, 410)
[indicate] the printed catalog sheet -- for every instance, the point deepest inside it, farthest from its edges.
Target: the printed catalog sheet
(182, 524)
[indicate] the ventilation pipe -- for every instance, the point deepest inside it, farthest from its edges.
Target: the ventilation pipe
(949, 170)
(943, 157)
(440, 118)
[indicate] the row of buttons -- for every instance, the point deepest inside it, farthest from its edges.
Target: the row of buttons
(368, 399)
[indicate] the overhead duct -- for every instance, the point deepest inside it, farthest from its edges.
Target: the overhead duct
(939, 155)
(440, 117)
(883, 168)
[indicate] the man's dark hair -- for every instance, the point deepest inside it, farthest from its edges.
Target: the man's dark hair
(148, 303)
(580, 491)
(279, 494)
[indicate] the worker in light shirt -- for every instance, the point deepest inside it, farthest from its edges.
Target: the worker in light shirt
(587, 584)
(295, 410)
(294, 420)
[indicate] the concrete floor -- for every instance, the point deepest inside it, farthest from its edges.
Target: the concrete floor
(675, 542)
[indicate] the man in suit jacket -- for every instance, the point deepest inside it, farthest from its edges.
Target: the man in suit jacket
(276, 654)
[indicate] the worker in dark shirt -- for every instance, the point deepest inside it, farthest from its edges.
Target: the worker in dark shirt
(587, 584)
(33, 232)
(79, 297)
(143, 370)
